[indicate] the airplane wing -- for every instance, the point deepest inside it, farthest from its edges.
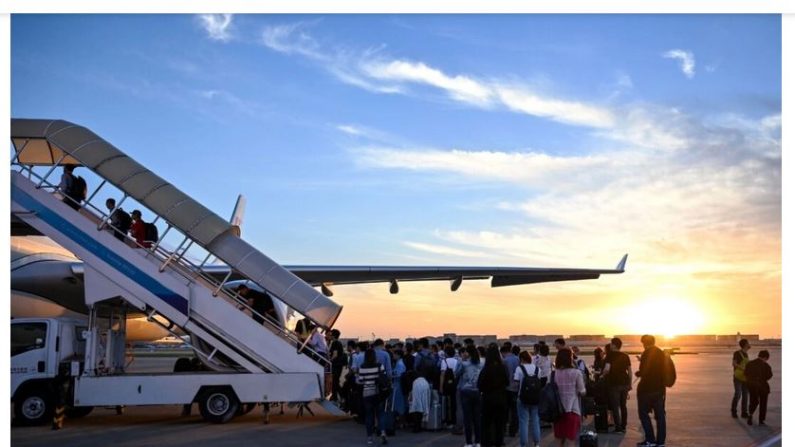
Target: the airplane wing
(326, 276)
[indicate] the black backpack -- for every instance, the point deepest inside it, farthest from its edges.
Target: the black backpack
(384, 384)
(150, 232)
(449, 383)
(79, 189)
(530, 391)
(125, 221)
(669, 371)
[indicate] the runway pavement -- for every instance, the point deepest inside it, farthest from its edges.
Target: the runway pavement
(697, 409)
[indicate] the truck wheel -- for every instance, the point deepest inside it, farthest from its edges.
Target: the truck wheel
(182, 365)
(78, 412)
(34, 406)
(218, 405)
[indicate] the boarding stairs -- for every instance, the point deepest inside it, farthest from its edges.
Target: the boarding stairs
(165, 284)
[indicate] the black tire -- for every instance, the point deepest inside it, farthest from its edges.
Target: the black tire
(33, 406)
(78, 412)
(218, 405)
(182, 365)
(245, 409)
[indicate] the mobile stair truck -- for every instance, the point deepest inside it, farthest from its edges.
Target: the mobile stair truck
(245, 362)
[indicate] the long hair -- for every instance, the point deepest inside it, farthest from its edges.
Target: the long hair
(369, 358)
(493, 357)
(564, 359)
(474, 356)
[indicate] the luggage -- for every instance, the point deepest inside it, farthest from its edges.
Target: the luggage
(445, 406)
(389, 419)
(434, 422)
(589, 439)
(600, 419)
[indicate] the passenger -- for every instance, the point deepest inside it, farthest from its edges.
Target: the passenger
(469, 342)
(468, 374)
(598, 363)
(338, 361)
(536, 352)
(618, 373)
(511, 362)
(138, 230)
(398, 394)
(425, 364)
(367, 377)
(739, 360)
(260, 302)
(317, 342)
(757, 373)
(383, 357)
(571, 387)
(73, 188)
(527, 413)
(493, 383)
(448, 384)
(579, 363)
(419, 402)
(120, 220)
(544, 364)
(560, 344)
(651, 392)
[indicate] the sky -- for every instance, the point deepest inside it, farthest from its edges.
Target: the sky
(488, 140)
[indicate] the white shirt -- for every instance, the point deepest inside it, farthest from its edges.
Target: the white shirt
(544, 365)
(451, 363)
(318, 343)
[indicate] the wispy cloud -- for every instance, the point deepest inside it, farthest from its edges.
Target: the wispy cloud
(217, 26)
(687, 61)
(373, 71)
(444, 250)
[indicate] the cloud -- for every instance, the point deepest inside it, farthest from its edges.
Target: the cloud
(686, 59)
(526, 168)
(444, 250)
(217, 26)
(372, 71)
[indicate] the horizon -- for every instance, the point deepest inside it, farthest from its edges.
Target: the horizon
(537, 141)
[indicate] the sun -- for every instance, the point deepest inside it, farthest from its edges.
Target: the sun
(666, 316)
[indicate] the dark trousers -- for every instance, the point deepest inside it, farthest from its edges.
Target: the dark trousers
(373, 408)
(336, 388)
(648, 402)
(470, 407)
(495, 413)
(617, 400)
(451, 408)
(513, 417)
(758, 398)
(740, 388)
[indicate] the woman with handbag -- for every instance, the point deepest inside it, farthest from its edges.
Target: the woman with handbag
(571, 387)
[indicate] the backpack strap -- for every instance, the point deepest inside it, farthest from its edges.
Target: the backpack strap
(524, 371)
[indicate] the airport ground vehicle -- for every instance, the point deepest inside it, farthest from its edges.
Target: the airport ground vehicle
(87, 359)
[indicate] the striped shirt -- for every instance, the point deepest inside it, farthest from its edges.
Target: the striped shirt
(368, 378)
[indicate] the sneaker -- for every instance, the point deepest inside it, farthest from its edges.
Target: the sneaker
(646, 444)
(369, 441)
(619, 430)
(468, 445)
(762, 423)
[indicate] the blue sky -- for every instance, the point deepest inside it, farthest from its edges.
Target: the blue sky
(453, 139)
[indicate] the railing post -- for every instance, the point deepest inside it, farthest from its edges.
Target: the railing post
(19, 152)
(55, 165)
(171, 256)
(221, 285)
(91, 197)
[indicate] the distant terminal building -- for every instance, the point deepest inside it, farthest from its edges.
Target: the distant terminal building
(530, 340)
(588, 340)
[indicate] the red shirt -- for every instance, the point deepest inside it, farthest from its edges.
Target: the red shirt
(138, 231)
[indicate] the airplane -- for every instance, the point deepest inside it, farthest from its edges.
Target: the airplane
(47, 280)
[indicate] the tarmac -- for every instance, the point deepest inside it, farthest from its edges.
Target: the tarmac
(697, 415)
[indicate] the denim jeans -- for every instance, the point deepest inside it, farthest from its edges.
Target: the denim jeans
(470, 404)
(528, 418)
(648, 401)
(740, 388)
(373, 407)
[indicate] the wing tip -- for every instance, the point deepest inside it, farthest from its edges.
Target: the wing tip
(622, 263)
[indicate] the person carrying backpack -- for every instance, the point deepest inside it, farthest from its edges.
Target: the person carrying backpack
(529, 385)
(655, 374)
(72, 187)
(449, 384)
(120, 220)
(138, 229)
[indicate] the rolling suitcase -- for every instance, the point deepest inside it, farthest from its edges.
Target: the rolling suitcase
(600, 419)
(435, 413)
(389, 418)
